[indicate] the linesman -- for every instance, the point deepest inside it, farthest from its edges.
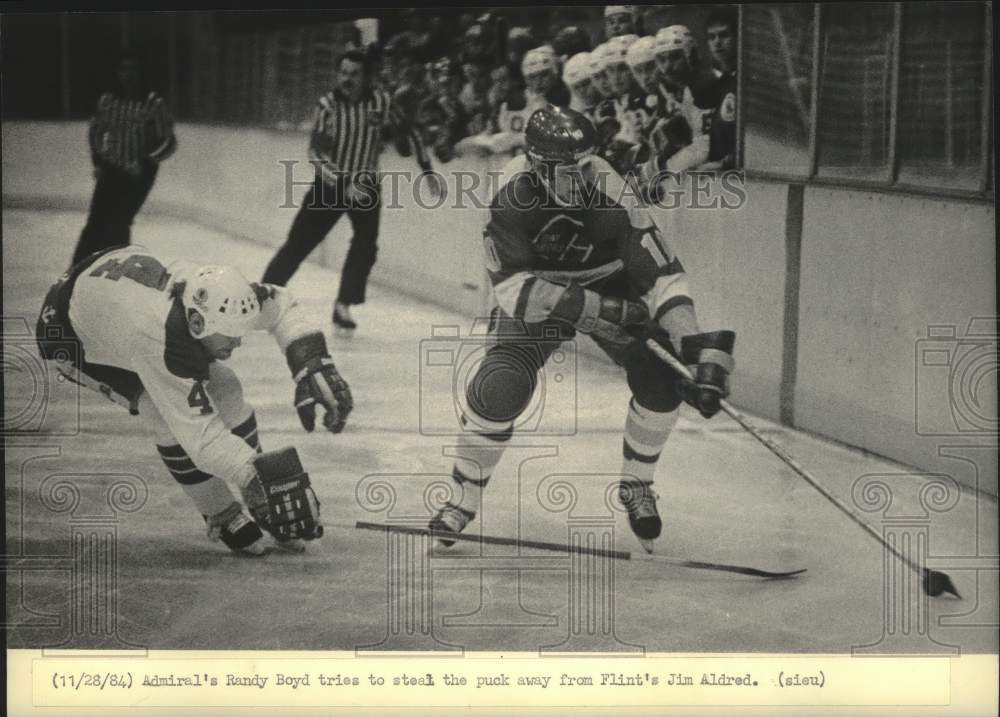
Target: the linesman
(351, 125)
(130, 133)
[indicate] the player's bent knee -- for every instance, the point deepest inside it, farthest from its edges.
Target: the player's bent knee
(502, 386)
(654, 386)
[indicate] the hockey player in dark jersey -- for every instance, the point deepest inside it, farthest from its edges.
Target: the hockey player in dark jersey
(721, 29)
(569, 250)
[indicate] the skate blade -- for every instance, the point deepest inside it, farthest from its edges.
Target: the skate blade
(343, 333)
(647, 545)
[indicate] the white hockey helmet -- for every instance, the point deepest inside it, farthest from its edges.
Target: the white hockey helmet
(578, 68)
(223, 298)
(613, 51)
(675, 37)
(641, 51)
(538, 60)
(610, 10)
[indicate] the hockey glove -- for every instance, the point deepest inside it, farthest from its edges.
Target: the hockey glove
(318, 382)
(710, 358)
(605, 317)
(280, 497)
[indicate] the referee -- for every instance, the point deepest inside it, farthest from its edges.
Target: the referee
(130, 134)
(351, 125)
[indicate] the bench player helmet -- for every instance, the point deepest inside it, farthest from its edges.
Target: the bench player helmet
(224, 300)
(578, 68)
(559, 134)
(675, 37)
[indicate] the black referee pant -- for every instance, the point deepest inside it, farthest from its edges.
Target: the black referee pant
(322, 207)
(118, 196)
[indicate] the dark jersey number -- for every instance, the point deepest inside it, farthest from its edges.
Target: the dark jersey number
(198, 398)
(140, 268)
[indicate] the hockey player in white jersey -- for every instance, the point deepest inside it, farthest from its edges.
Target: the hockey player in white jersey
(617, 136)
(152, 335)
(542, 86)
(578, 75)
(679, 68)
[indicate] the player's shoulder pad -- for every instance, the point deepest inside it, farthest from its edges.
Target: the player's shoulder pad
(517, 185)
(183, 355)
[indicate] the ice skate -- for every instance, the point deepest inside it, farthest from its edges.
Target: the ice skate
(343, 324)
(238, 532)
(643, 517)
(450, 519)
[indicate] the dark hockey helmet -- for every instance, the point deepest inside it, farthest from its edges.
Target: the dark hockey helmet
(559, 133)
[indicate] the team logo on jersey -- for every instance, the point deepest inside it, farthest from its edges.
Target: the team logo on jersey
(727, 110)
(554, 239)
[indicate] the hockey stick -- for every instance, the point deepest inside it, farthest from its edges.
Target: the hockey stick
(934, 582)
(578, 549)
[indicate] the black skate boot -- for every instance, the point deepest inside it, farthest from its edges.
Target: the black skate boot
(343, 324)
(640, 500)
(237, 531)
(450, 519)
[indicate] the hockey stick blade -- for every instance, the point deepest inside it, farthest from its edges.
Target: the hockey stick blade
(934, 582)
(600, 552)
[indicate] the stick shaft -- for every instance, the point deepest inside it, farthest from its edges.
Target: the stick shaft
(571, 549)
(781, 453)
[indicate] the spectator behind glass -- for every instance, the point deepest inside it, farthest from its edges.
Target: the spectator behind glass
(441, 119)
(474, 96)
(501, 89)
(619, 20)
(407, 76)
(519, 41)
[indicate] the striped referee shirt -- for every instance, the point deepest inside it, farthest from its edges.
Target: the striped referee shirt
(347, 137)
(125, 133)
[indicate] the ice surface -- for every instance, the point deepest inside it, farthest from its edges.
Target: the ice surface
(723, 496)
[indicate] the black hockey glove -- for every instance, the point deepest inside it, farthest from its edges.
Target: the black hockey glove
(710, 358)
(317, 381)
(281, 499)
